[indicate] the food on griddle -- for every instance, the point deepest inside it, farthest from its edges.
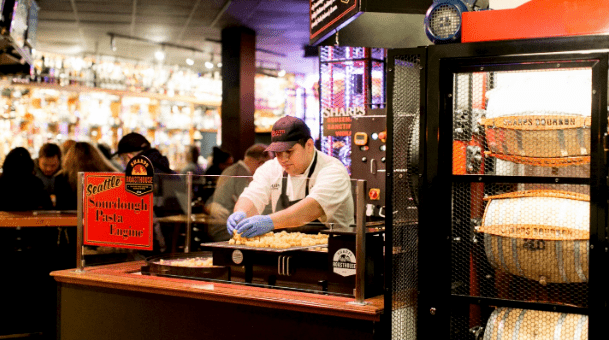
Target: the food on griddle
(282, 240)
(192, 262)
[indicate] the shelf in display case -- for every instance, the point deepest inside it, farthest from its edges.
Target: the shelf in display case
(122, 93)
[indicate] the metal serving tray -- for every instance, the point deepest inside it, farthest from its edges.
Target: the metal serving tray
(153, 267)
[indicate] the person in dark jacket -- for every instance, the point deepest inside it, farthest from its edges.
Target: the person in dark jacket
(21, 189)
(165, 200)
(133, 144)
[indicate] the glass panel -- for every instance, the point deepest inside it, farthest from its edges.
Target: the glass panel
(297, 259)
(526, 123)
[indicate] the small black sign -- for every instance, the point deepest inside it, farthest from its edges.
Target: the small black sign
(139, 175)
(325, 16)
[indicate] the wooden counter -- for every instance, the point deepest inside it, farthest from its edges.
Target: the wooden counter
(37, 219)
(36, 243)
(223, 310)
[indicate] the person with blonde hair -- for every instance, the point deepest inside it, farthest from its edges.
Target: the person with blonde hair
(81, 157)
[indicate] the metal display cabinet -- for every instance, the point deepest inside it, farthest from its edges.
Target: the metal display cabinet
(498, 191)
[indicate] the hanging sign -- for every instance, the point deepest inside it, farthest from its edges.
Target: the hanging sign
(327, 16)
(113, 216)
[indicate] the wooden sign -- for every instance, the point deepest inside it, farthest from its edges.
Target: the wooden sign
(114, 217)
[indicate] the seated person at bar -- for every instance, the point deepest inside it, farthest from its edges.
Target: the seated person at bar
(220, 160)
(21, 189)
(230, 185)
(301, 184)
(47, 165)
(192, 157)
(82, 156)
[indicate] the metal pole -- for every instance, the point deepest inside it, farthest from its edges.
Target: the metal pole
(189, 210)
(80, 260)
(360, 241)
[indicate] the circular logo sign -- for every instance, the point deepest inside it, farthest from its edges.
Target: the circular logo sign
(343, 262)
(237, 256)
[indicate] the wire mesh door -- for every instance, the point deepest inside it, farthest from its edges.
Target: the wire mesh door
(521, 207)
(404, 101)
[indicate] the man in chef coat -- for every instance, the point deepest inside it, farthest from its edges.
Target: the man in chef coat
(301, 184)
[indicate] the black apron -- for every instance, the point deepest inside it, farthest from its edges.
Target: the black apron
(284, 202)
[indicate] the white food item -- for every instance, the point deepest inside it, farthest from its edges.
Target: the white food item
(191, 262)
(281, 240)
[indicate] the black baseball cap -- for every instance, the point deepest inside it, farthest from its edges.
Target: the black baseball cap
(132, 142)
(286, 132)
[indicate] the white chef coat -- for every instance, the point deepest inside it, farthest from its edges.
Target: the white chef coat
(329, 185)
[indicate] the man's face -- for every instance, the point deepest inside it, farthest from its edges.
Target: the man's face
(295, 160)
(48, 165)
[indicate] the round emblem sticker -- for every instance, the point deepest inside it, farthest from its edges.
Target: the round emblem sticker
(237, 256)
(343, 262)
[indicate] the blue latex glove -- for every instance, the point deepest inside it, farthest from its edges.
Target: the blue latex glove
(255, 226)
(233, 220)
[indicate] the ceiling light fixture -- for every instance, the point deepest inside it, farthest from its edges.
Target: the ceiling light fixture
(159, 55)
(190, 62)
(281, 73)
(219, 65)
(209, 65)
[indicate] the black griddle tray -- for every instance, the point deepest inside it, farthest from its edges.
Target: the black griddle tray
(226, 245)
(153, 267)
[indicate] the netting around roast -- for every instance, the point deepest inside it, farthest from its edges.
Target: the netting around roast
(406, 99)
(522, 242)
(490, 323)
(523, 123)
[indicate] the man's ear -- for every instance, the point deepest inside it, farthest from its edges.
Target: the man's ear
(310, 144)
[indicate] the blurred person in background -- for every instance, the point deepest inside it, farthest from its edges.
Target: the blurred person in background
(107, 152)
(220, 160)
(47, 166)
(165, 199)
(192, 159)
(21, 189)
(81, 157)
(66, 145)
(200, 190)
(231, 184)
(133, 144)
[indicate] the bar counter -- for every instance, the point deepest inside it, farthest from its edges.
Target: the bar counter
(37, 219)
(116, 302)
(35, 243)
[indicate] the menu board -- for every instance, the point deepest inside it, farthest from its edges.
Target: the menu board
(326, 16)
